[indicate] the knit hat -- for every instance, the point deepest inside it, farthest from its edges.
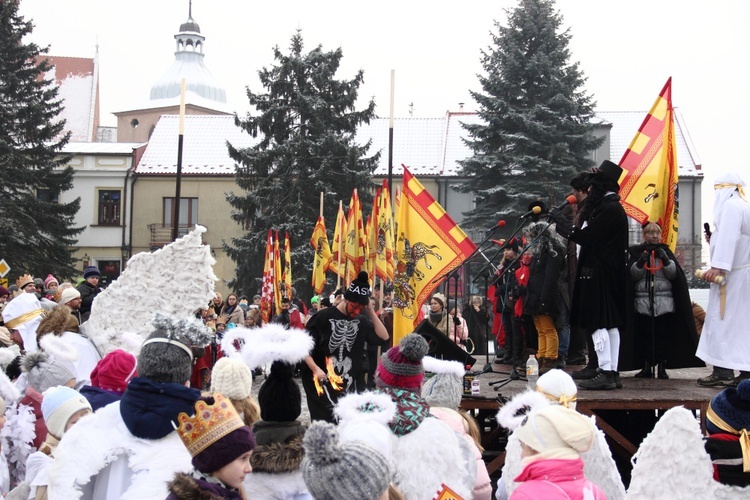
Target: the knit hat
(279, 397)
(216, 435)
(440, 298)
(59, 404)
(359, 289)
(44, 372)
(556, 432)
(729, 409)
(50, 279)
(326, 302)
(114, 371)
(558, 387)
(67, 295)
(445, 388)
(232, 378)
(90, 271)
(4, 291)
(401, 366)
(333, 470)
(314, 299)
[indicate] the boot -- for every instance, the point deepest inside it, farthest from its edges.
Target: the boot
(547, 365)
(618, 382)
(645, 372)
(588, 372)
(662, 371)
(604, 381)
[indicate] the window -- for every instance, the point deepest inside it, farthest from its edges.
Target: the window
(109, 207)
(188, 212)
(47, 196)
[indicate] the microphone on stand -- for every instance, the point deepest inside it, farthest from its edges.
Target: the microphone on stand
(569, 200)
(534, 211)
(500, 223)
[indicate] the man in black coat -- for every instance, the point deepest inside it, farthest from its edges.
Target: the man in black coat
(600, 292)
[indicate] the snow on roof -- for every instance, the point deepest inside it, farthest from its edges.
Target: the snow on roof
(625, 124)
(101, 148)
(76, 79)
(204, 146)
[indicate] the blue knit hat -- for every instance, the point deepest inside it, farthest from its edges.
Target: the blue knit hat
(730, 406)
(91, 271)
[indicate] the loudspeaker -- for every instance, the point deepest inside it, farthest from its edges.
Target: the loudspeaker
(441, 346)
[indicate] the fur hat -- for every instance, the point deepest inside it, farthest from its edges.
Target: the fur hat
(556, 432)
(24, 280)
(401, 366)
(611, 170)
(445, 388)
(50, 279)
(215, 435)
(59, 404)
(440, 298)
(114, 371)
(56, 321)
(67, 295)
(264, 345)
(333, 470)
(359, 289)
(731, 407)
(279, 397)
(232, 378)
(91, 271)
(44, 372)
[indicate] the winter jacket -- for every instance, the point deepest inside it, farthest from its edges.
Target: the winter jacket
(233, 314)
(148, 408)
(542, 289)
(88, 294)
(555, 479)
(189, 487)
(505, 280)
(276, 471)
(98, 397)
(663, 277)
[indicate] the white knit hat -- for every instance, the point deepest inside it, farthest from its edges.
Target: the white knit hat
(558, 387)
(67, 295)
(556, 431)
(232, 378)
(445, 388)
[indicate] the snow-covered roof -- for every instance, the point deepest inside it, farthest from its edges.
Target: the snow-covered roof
(76, 80)
(101, 148)
(204, 150)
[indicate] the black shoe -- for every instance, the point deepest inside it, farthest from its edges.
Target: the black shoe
(560, 364)
(618, 382)
(645, 372)
(604, 381)
(588, 372)
(714, 380)
(661, 372)
(736, 380)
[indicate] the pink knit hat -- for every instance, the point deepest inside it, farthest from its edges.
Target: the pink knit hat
(49, 280)
(401, 367)
(114, 371)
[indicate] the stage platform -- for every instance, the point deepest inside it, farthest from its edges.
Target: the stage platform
(625, 415)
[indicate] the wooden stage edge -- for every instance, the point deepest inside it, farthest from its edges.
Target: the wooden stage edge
(680, 389)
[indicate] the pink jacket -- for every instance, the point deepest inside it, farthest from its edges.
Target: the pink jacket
(555, 479)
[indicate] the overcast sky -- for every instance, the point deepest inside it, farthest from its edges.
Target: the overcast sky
(626, 49)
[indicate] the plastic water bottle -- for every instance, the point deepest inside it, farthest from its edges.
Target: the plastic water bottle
(532, 371)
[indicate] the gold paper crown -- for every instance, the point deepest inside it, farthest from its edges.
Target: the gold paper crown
(210, 423)
(24, 280)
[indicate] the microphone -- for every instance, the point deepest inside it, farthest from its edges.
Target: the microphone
(570, 200)
(500, 223)
(534, 211)
(707, 229)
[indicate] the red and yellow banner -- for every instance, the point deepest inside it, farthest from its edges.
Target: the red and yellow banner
(287, 276)
(321, 257)
(648, 187)
(338, 260)
(354, 245)
(267, 298)
(429, 245)
(384, 261)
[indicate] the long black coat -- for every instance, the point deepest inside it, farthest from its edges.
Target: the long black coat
(543, 286)
(600, 292)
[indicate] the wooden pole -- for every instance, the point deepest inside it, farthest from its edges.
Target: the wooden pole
(178, 186)
(390, 133)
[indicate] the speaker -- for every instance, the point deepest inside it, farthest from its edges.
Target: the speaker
(440, 346)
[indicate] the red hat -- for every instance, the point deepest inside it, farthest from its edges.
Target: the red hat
(114, 371)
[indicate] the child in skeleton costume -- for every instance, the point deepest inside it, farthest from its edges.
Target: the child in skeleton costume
(443, 392)
(554, 388)
(129, 449)
(220, 445)
(278, 434)
(62, 407)
(57, 334)
(420, 438)
(339, 333)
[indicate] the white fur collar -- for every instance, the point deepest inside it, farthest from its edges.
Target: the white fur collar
(272, 342)
(275, 486)
(434, 365)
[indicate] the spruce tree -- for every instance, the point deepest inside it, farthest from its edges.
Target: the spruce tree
(536, 130)
(305, 122)
(36, 231)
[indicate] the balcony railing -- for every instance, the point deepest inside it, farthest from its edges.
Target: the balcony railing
(162, 235)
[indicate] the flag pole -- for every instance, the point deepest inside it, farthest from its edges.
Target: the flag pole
(178, 186)
(321, 203)
(338, 259)
(390, 133)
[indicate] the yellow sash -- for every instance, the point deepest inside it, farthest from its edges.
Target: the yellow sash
(742, 433)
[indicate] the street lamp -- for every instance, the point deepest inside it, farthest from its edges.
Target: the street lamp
(125, 251)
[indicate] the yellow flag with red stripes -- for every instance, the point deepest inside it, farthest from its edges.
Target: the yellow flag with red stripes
(322, 255)
(648, 187)
(338, 259)
(277, 272)
(384, 261)
(429, 245)
(354, 245)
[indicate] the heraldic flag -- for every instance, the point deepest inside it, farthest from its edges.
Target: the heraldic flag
(429, 245)
(322, 255)
(648, 187)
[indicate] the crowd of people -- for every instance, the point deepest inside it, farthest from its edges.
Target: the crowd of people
(177, 416)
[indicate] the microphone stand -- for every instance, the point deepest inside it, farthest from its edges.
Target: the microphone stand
(477, 250)
(488, 366)
(519, 225)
